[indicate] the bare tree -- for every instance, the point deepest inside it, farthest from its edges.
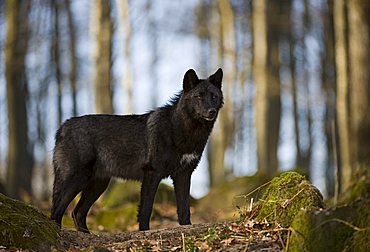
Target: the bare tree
(202, 15)
(103, 57)
(305, 113)
(20, 161)
(328, 84)
(274, 104)
(267, 82)
(124, 17)
(293, 76)
(73, 56)
(222, 137)
(260, 54)
(342, 102)
(56, 59)
(352, 39)
(153, 37)
(359, 80)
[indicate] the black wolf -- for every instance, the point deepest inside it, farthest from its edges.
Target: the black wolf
(166, 142)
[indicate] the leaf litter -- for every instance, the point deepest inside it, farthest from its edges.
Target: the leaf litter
(246, 235)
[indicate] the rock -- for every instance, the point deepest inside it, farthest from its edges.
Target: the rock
(23, 226)
(285, 196)
(360, 187)
(345, 228)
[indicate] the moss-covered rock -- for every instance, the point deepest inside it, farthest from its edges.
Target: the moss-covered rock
(116, 219)
(23, 226)
(68, 222)
(360, 187)
(285, 196)
(120, 193)
(345, 228)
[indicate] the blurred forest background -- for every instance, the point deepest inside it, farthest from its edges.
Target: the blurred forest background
(296, 81)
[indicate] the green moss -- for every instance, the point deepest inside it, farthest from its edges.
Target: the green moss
(359, 242)
(360, 186)
(120, 193)
(345, 228)
(285, 196)
(67, 222)
(313, 231)
(117, 218)
(23, 226)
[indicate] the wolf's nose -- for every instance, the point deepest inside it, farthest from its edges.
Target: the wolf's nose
(212, 112)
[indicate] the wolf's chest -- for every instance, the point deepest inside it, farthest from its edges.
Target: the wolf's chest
(188, 158)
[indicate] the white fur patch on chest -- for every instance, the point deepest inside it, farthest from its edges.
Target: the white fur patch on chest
(188, 158)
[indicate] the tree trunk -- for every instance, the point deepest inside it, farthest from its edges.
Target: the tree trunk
(359, 79)
(260, 59)
(293, 76)
(202, 15)
(123, 10)
(267, 82)
(303, 161)
(222, 139)
(229, 64)
(153, 43)
(328, 85)
(20, 161)
(103, 60)
(342, 102)
(274, 107)
(56, 60)
(73, 57)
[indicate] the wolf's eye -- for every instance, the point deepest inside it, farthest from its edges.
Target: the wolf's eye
(199, 96)
(214, 97)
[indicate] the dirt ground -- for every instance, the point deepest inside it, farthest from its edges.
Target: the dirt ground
(249, 236)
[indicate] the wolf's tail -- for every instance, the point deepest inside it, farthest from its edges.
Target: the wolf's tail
(58, 180)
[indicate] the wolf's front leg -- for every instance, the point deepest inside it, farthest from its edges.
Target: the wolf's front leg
(182, 191)
(148, 190)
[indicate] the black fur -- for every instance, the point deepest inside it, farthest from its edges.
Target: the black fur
(168, 141)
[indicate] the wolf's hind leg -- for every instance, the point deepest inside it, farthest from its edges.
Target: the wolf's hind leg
(89, 195)
(64, 192)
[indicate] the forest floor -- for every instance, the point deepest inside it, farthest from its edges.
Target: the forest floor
(210, 233)
(227, 236)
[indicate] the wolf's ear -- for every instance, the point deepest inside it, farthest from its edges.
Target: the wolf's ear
(216, 78)
(190, 80)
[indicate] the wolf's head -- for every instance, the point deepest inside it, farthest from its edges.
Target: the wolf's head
(203, 98)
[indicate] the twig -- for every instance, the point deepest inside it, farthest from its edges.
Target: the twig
(245, 196)
(239, 237)
(286, 247)
(343, 222)
(270, 230)
(286, 202)
(250, 206)
(183, 242)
